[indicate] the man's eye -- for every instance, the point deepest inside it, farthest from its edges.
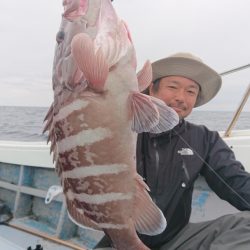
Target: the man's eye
(191, 92)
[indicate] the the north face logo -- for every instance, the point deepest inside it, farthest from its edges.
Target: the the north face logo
(185, 151)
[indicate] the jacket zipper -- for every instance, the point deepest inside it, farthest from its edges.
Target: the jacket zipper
(157, 160)
(185, 171)
(187, 178)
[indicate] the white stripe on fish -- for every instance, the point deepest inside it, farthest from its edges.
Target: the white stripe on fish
(86, 137)
(98, 198)
(101, 225)
(95, 170)
(113, 226)
(67, 110)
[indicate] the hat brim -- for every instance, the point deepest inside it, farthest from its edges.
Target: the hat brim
(208, 79)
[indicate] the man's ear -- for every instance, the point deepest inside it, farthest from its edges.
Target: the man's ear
(198, 97)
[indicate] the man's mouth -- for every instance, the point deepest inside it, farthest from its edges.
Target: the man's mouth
(178, 108)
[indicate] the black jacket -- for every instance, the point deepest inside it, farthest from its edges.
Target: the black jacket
(171, 162)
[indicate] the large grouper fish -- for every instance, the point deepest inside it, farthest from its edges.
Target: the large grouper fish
(98, 110)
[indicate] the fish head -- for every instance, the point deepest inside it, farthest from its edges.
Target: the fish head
(105, 58)
(109, 34)
(96, 53)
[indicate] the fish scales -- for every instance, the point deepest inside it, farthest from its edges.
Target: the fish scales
(93, 121)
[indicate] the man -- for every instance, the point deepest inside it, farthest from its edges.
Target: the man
(170, 163)
(183, 82)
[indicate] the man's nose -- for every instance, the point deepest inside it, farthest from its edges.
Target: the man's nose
(180, 95)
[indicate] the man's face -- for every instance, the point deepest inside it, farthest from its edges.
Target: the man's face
(178, 92)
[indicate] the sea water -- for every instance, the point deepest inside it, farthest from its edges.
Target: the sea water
(26, 123)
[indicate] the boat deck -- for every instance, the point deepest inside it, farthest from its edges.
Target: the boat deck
(26, 173)
(23, 189)
(14, 239)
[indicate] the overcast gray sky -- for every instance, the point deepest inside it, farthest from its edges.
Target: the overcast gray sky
(218, 31)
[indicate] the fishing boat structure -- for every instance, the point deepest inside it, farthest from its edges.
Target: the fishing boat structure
(27, 172)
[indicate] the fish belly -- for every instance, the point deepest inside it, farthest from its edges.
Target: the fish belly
(96, 154)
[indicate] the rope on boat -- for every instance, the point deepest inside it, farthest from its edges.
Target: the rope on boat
(227, 133)
(214, 172)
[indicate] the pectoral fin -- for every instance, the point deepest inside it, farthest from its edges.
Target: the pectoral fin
(145, 113)
(168, 118)
(151, 114)
(93, 64)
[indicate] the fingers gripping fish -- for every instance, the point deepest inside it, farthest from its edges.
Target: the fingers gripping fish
(97, 111)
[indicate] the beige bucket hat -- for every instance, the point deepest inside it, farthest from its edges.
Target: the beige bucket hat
(192, 67)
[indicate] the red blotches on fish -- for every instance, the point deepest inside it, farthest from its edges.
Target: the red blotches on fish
(74, 8)
(92, 123)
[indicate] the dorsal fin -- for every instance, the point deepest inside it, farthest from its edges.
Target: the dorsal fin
(144, 76)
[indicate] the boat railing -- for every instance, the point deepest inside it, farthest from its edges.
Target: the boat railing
(242, 103)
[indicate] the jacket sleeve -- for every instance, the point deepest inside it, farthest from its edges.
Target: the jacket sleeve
(224, 174)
